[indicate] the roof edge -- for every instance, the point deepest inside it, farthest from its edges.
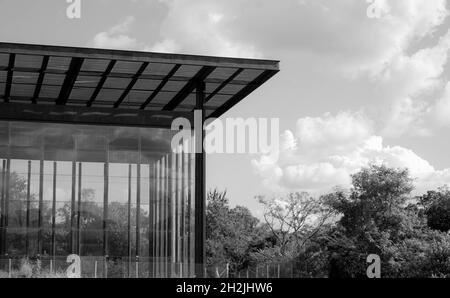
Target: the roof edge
(138, 56)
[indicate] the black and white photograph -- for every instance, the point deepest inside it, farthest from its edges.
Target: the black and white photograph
(232, 141)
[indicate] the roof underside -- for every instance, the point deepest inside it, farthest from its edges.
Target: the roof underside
(127, 80)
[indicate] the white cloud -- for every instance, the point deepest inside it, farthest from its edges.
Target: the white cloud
(441, 110)
(387, 54)
(215, 17)
(332, 133)
(117, 37)
(165, 46)
(331, 148)
(204, 27)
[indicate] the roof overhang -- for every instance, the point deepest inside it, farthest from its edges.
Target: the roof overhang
(86, 77)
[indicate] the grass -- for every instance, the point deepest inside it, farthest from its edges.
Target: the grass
(32, 269)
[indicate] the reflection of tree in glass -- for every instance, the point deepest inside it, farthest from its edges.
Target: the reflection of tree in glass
(91, 224)
(17, 213)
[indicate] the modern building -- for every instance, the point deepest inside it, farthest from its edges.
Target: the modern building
(86, 165)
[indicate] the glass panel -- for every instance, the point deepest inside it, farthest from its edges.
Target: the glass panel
(16, 216)
(65, 166)
(91, 225)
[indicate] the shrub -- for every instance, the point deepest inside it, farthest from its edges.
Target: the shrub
(30, 269)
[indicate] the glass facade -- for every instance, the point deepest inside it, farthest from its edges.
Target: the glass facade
(96, 191)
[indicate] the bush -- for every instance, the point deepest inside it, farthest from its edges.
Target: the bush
(30, 269)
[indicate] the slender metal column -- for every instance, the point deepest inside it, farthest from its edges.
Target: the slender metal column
(129, 222)
(167, 214)
(138, 210)
(158, 219)
(155, 218)
(170, 196)
(138, 213)
(162, 217)
(41, 204)
(182, 213)
(138, 203)
(187, 217)
(200, 186)
(6, 205)
(27, 239)
(80, 175)
(151, 248)
(5, 198)
(164, 214)
(177, 209)
(191, 239)
(54, 210)
(73, 248)
(105, 207)
(2, 207)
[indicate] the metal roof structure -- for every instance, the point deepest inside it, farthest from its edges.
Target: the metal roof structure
(85, 77)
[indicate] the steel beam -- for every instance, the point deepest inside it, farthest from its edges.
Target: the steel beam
(202, 74)
(69, 81)
(9, 77)
(200, 187)
(40, 79)
(101, 82)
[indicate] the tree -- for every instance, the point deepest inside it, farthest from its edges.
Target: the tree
(230, 232)
(294, 220)
(376, 218)
(376, 202)
(437, 209)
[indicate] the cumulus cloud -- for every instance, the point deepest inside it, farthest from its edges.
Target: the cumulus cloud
(165, 46)
(441, 110)
(383, 52)
(117, 37)
(398, 56)
(204, 27)
(411, 80)
(327, 150)
(322, 152)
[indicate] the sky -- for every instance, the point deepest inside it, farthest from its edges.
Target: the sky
(361, 81)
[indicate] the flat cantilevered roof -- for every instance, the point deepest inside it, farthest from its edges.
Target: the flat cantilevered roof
(47, 75)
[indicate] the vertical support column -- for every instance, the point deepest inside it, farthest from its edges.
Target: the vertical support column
(200, 186)
(7, 195)
(171, 242)
(41, 204)
(27, 239)
(5, 205)
(166, 214)
(80, 175)
(177, 209)
(191, 220)
(138, 212)
(183, 211)
(163, 215)
(72, 208)
(157, 219)
(105, 206)
(129, 222)
(151, 248)
(187, 217)
(54, 210)
(138, 204)
(2, 207)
